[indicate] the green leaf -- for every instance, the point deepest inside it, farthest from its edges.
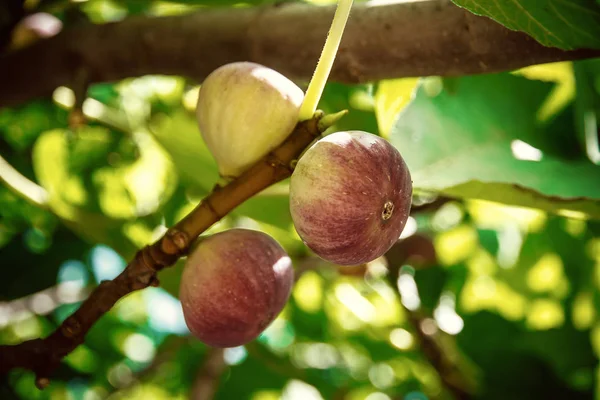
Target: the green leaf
(566, 24)
(587, 107)
(462, 144)
(114, 206)
(179, 135)
(357, 99)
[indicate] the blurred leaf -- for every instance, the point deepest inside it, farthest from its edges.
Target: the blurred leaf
(105, 211)
(178, 133)
(32, 272)
(567, 24)
(489, 240)
(460, 144)
(251, 376)
(431, 282)
(357, 99)
(20, 126)
(105, 93)
(512, 369)
(560, 73)
(392, 97)
(587, 108)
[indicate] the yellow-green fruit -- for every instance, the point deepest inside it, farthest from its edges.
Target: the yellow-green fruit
(244, 111)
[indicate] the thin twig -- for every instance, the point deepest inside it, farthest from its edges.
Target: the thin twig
(42, 356)
(22, 186)
(207, 379)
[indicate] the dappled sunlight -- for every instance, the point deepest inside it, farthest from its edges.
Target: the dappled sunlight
(409, 229)
(298, 390)
(352, 299)
(563, 92)
(119, 375)
(315, 355)
(266, 395)
(481, 263)
(584, 313)
(139, 348)
(494, 215)
(456, 245)
(485, 293)
(381, 376)
(401, 339)
(279, 335)
(525, 151)
(190, 99)
(545, 314)
(106, 263)
(447, 217)
(378, 396)
(510, 241)
(547, 275)
(164, 312)
(477, 299)
(235, 355)
(409, 294)
(83, 359)
(446, 317)
(308, 292)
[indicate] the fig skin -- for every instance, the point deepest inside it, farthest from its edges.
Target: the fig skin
(244, 111)
(234, 284)
(350, 197)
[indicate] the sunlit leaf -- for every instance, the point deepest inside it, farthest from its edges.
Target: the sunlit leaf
(472, 143)
(567, 24)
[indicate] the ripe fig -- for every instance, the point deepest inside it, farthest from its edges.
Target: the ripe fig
(234, 284)
(244, 111)
(350, 197)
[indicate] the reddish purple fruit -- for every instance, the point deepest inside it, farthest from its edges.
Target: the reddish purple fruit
(234, 284)
(350, 197)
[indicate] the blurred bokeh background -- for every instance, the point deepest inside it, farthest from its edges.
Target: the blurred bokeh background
(491, 291)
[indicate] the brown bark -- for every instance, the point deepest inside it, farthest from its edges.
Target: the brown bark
(418, 38)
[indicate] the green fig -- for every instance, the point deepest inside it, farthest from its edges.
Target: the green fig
(244, 111)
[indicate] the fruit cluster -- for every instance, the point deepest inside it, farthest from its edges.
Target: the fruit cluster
(350, 196)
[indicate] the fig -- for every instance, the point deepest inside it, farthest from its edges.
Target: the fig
(244, 111)
(350, 197)
(234, 284)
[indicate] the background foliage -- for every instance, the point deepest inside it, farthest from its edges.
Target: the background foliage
(493, 293)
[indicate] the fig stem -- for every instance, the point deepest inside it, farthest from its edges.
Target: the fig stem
(325, 63)
(330, 119)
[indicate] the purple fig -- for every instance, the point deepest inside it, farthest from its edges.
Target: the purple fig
(234, 284)
(350, 197)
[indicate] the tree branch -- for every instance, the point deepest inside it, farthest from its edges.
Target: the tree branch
(389, 40)
(42, 356)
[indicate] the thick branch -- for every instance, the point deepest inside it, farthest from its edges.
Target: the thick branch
(418, 38)
(43, 355)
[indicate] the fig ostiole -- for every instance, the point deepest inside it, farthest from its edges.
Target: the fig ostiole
(233, 286)
(350, 197)
(244, 111)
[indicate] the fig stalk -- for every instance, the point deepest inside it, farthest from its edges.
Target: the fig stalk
(325, 63)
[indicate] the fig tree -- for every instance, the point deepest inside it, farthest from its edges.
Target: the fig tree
(244, 111)
(350, 197)
(234, 284)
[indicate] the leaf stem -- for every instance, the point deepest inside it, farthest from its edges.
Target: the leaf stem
(325, 63)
